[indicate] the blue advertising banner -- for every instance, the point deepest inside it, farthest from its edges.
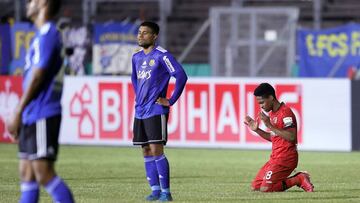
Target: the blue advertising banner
(330, 52)
(5, 48)
(114, 45)
(21, 36)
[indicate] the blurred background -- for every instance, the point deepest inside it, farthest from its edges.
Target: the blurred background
(209, 37)
(308, 49)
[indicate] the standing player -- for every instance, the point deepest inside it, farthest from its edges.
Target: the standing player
(152, 68)
(273, 176)
(36, 120)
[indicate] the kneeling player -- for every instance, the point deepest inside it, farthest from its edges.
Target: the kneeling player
(273, 176)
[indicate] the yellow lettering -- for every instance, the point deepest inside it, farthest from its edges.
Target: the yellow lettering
(19, 42)
(22, 40)
(343, 46)
(330, 48)
(310, 45)
(28, 39)
(355, 43)
(321, 44)
(117, 37)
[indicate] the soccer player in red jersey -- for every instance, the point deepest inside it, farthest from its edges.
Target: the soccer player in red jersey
(273, 176)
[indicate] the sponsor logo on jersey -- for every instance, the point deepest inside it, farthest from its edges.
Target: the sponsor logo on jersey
(144, 65)
(288, 121)
(275, 120)
(151, 62)
(144, 74)
(168, 64)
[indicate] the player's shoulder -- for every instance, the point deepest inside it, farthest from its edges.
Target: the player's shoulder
(286, 110)
(162, 53)
(49, 33)
(47, 29)
(137, 52)
(160, 49)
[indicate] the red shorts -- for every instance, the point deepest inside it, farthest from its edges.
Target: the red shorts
(271, 174)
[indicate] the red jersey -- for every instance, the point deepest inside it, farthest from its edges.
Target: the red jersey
(283, 152)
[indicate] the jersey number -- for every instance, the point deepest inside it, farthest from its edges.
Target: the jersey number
(268, 175)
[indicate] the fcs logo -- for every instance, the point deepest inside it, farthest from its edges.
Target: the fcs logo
(142, 74)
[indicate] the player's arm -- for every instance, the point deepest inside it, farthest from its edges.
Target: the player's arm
(254, 126)
(45, 48)
(31, 92)
(134, 75)
(288, 133)
(177, 71)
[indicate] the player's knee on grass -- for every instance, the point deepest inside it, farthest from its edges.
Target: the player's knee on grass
(255, 186)
(266, 189)
(271, 187)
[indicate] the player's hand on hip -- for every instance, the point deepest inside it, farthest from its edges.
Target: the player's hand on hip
(13, 126)
(163, 101)
(253, 125)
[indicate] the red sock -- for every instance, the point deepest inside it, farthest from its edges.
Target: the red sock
(278, 187)
(291, 181)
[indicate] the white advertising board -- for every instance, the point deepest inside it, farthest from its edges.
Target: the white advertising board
(210, 112)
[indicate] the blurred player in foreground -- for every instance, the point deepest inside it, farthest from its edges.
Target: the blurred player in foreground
(152, 68)
(273, 176)
(36, 120)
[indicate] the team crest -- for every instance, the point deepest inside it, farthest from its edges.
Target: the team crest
(275, 120)
(151, 62)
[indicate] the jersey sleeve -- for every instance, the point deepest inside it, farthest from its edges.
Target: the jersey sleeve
(44, 48)
(176, 70)
(133, 74)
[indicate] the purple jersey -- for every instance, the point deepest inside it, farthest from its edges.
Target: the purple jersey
(150, 77)
(44, 53)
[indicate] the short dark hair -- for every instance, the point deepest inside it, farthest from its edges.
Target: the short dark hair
(264, 90)
(153, 26)
(54, 7)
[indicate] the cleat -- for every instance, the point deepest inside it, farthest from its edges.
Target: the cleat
(165, 197)
(152, 197)
(305, 182)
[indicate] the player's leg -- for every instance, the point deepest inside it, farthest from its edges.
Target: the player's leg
(43, 164)
(302, 180)
(256, 183)
(29, 187)
(54, 185)
(152, 175)
(156, 130)
(274, 179)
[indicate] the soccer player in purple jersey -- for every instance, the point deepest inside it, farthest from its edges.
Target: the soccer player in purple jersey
(152, 68)
(36, 120)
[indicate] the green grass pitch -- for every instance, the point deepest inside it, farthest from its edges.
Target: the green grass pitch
(116, 174)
